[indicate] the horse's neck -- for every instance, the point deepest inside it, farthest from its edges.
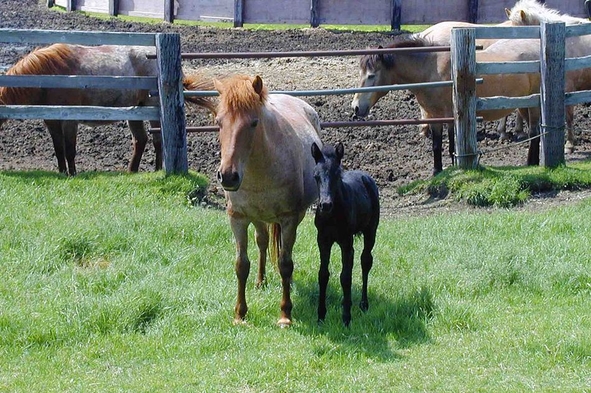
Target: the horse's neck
(422, 67)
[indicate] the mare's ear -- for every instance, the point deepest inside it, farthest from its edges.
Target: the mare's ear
(523, 16)
(316, 153)
(508, 13)
(340, 150)
(257, 85)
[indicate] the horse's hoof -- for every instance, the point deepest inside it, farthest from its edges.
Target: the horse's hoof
(521, 136)
(364, 306)
(284, 322)
(506, 136)
(569, 148)
(239, 321)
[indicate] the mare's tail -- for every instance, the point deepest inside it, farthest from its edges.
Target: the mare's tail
(275, 243)
(199, 82)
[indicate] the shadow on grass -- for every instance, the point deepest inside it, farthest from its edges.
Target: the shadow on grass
(391, 323)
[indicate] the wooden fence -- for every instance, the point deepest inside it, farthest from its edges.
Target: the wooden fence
(552, 98)
(168, 83)
(393, 13)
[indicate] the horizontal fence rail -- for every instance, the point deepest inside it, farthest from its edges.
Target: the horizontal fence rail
(83, 113)
(80, 82)
(87, 37)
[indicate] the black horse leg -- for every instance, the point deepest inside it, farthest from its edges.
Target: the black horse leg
(452, 142)
(533, 155)
(436, 134)
(366, 265)
(347, 255)
(57, 137)
(70, 130)
(324, 246)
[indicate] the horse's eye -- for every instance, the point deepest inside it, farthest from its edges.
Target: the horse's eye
(254, 123)
(371, 76)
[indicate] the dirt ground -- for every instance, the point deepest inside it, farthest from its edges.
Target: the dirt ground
(393, 155)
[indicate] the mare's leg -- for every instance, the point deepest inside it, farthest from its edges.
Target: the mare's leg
(262, 240)
(533, 155)
(70, 130)
(502, 129)
(324, 246)
(347, 255)
(139, 138)
(369, 239)
(288, 238)
(157, 142)
(519, 132)
(239, 229)
(569, 147)
(436, 133)
(57, 137)
(451, 137)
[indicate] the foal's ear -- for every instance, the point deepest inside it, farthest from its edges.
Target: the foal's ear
(257, 85)
(316, 153)
(340, 150)
(508, 13)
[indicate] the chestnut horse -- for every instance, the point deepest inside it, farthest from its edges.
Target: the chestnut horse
(402, 67)
(531, 12)
(109, 60)
(266, 171)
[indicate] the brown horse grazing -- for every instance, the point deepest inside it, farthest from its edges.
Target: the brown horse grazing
(266, 171)
(109, 60)
(531, 12)
(348, 205)
(402, 67)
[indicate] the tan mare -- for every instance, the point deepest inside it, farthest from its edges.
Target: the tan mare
(402, 67)
(440, 34)
(530, 12)
(108, 60)
(266, 171)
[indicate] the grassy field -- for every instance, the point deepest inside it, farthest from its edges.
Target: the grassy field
(115, 282)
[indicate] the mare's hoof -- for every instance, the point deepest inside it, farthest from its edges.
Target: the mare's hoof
(506, 136)
(284, 322)
(521, 136)
(569, 148)
(239, 321)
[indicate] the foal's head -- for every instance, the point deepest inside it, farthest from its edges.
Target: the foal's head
(328, 174)
(238, 116)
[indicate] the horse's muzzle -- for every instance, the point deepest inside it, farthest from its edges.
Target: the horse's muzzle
(325, 207)
(230, 181)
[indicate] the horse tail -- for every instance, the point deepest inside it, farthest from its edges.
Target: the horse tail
(199, 82)
(275, 242)
(56, 59)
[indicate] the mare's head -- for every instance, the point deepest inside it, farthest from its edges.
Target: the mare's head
(532, 12)
(238, 115)
(328, 174)
(378, 70)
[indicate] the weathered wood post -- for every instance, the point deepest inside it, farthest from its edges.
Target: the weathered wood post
(169, 11)
(172, 103)
(314, 17)
(552, 72)
(238, 13)
(463, 62)
(396, 21)
(114, 7)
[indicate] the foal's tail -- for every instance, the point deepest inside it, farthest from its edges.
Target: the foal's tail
(275, 243)
(199, 82)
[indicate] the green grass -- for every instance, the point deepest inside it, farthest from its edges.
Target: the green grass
(116, 282)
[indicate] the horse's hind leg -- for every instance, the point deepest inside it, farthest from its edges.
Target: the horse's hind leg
(436, 131)
(57, 137)
(70, 130)
(157, 142)
(139, 139)
(369, 239)
(242, 267)
(262, 240)
(569, 147)
(452, 142)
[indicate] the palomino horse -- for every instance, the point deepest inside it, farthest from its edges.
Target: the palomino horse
(109, 60)
(530, 12)
(348, 205)
(440, 34)
(266, 171)
(436, 66)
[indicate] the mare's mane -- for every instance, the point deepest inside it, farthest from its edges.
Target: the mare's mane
(57, 59)
(531, 12)
(400, 41)
(237, 93)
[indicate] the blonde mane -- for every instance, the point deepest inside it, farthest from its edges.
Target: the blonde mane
(56, 59)
(530, 12)
(237, 93)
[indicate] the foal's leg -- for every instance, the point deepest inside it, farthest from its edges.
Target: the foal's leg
(347, 255)
(324, 246)
(262, 240)
(436, 131)
(70, 130)
(369, 239)
(57, 137)
(157, 142)
(239, 229)
(139, 138)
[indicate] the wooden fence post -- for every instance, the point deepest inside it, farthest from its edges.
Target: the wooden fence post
(113, 7)
(552, 70)
(50, 3)
(396, 21)
(238, 13)
(169, 11)
(314, 19)
(463, 62)
(172, 103)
